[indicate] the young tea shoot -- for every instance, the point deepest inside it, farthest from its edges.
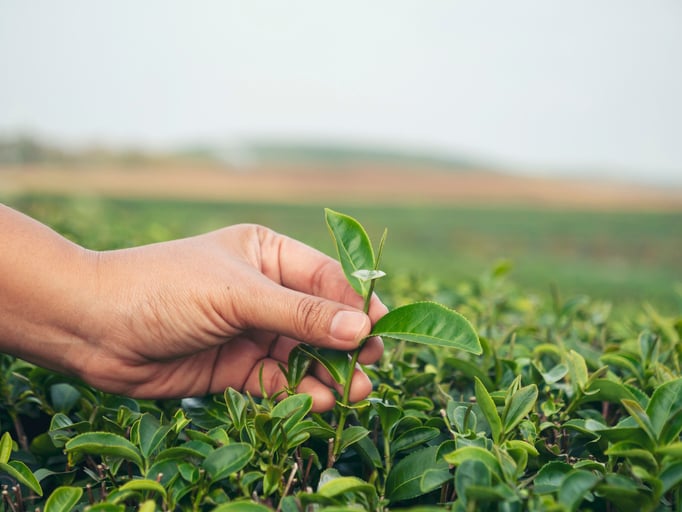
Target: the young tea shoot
(427, 323)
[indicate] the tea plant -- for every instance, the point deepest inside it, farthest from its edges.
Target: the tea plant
(564, 407)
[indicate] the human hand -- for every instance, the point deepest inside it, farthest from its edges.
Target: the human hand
(194, 316)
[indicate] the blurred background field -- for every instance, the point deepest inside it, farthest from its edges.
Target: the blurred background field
(540, 134)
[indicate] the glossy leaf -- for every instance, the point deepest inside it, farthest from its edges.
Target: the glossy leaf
(352, 435)
(430, 324)
(63, 499)
(405, 481)
(550, 477)
(413, 438)
(143, 485)
(482, 455)
(666, 400)
(336, 362)
(671, 476)
(353, 247)
(471, 473)
(520, 404)
(22, 474)
(5, 447)
(105, 443)
(575, 486)
(489, 410)
(345, 484)
(226, 460)
(241, 506)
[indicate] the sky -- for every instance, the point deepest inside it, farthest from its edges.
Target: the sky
(543, 86)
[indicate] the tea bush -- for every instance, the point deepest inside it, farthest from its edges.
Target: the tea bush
(568, 407)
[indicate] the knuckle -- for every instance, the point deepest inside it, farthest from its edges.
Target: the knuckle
(310, 314)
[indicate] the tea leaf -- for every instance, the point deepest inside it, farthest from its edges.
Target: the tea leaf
(470, 473)
(63, 499)
(241, 506)
(352, 435)
(485, 402)
(105, 443)
(431, 324)
(413, 438)
(336, 362)
(5, 447)
(521, 403)
(353, 247)
(575, 486)
(666, 399)
(22, 474)
(639, 415)
(671, 476)
(143, 485)
(405, 479)
(550, 476)
(226, 460)
(475, 453)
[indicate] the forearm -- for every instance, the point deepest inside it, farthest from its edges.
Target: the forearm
(43, 278)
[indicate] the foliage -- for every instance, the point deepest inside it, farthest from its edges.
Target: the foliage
(565, 408)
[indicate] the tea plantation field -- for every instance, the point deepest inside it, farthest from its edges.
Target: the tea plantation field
(574, 403)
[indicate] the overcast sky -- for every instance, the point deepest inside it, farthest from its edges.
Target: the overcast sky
(578, 85)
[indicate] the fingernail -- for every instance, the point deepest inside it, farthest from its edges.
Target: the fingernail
(348, 326)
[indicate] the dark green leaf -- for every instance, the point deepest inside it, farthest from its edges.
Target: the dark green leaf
(352, 435)
(575, 487)
(413, 438)
(64, 396)
(405, 479)
(430, 324)
(471, 473)
(336, 362)
(353, 247)
(226, 460)
(550, 476)
(388, 417)
(671, 476)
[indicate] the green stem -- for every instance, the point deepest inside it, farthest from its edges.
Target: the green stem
(343, 413)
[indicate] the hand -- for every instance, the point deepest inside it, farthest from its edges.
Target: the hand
(194, 316)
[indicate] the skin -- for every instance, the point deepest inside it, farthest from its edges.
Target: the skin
(180, 318)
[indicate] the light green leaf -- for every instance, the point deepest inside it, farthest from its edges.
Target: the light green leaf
(368, 275)
(63, 499)
(475, 453)
(5, 447)
(520, 404)
(353, 247)
(226, 460)
(489, 410)
(143, 485)
(577, 370)
(431, 324)
(640, 416)
(241, 506)
(664, 402)
(105, 443)
(22, 474)
(345, 484)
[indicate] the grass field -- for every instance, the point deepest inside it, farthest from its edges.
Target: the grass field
(625, 258)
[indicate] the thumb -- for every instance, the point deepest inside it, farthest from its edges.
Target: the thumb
(304, 317)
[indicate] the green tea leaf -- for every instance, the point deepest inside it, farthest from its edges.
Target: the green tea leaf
(352, 435)
(671, 476)
(22, 474)
(63, 499)
(143, 485)
(640, 416)
(336, 362)
(550, 477)
(470, 473)
(664, 402)
(345, 484)
(575, 486)
(241, 506)
(413, 438)
(105, 443)
(577, 370)
(353, 247)
(475, 453)
(431, 324)
(489, 409)
(226, 460)
(521, 403)
(5, 447)
(406, 478)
